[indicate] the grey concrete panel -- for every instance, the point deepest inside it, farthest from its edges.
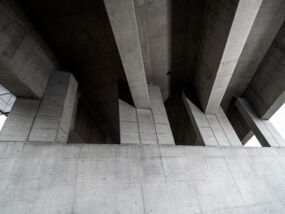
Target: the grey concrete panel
(145, 126)
(53, 119)
(53, 178)
(212, 130)
(124, 25)
(20, 120)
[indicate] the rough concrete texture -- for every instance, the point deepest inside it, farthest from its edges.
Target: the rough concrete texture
(124, 24)
(53, 119)
(18, 125)
(212, 130)
(154, 22)
(263, 129)
(265, 27)
(101, 179)
(266, 92)
(24, 65)
(145, 126)
(223, 42)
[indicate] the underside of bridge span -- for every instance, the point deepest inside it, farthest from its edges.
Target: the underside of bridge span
(170, 91)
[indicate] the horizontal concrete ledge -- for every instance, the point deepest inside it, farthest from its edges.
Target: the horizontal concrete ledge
(41, 149)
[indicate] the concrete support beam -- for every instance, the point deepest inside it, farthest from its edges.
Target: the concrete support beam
(268, 22)
(20, 120)
(228, 25)
(124, 25)
(266, 92)
(53, 119)
(24, 65)
(211, 130)
(145, 126)
(263, 129)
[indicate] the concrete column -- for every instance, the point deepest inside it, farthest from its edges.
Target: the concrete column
(263, 129)
(145, 126)
(124, 25)
(227, 27)
(129, 131)
(161, 122)
(211, 130)
(24, 65)
(20, 120)
(53, 119)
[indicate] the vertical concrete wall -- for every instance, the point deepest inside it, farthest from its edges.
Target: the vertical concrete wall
(18, 125)
(161, 122)
(24, 65)
(53, 119)
(211, 130)
(145, 126)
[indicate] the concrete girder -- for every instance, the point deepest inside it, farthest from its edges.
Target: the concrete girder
(222, 45)
(124, 25)
(263, 129)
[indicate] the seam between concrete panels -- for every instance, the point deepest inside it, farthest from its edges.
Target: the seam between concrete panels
(154, 127)
(138, 126)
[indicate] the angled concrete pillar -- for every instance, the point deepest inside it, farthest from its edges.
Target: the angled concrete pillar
(227, 27)
(263, 129)
(124, 25)
(53, 119)
(211, 130)
(24, 64)
(20, 120)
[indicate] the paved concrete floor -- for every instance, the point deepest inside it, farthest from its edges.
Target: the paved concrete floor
(111, 179)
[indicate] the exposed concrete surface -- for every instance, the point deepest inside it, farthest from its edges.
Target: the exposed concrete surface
(266, 26)
(263, 129)
(154, 22)
(124, 24)
(266, 92)
(53, 178)
(24, 65)
(20, 120)
(145, 126)
(212, 130)
(223, 43)
(53, 119)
